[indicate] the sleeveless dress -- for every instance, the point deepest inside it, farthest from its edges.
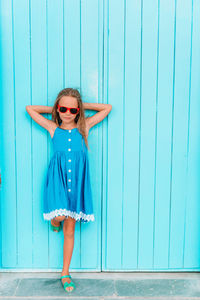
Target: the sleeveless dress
(67, 189)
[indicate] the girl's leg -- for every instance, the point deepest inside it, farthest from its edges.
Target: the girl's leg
(56, 221)
(68, 231)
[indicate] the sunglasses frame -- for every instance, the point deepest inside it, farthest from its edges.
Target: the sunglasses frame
(68, 108)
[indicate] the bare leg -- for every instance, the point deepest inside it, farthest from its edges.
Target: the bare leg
(56, 221)
(68, 231)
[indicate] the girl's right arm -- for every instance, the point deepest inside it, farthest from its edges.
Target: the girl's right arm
(35, 112)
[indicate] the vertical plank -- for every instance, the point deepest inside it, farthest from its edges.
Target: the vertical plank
(21, 27)
(192, 208)
(105, 133)
(166, 29)
(39, 135)
(7, 138)
(131, 110)
(180, 132)
(147, 133)
(115, 86)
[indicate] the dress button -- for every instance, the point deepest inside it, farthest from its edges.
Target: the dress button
(69, 190)
(69, 180)
(69, 149)
(69, 140)
(69, 160)
(70, 130)
(69, 170)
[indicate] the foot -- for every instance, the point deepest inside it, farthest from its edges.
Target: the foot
(55, 223)
(67, 279)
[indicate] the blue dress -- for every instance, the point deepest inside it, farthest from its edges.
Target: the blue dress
(67, 189)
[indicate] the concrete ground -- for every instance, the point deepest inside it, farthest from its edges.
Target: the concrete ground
(104, 285)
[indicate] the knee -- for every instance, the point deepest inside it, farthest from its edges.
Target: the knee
(68, 230)
(69, 233)
(59, 218)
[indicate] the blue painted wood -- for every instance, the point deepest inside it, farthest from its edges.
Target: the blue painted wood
(38, 135)
(149, 75)
(192, 229)
(144, 59)
(44, 53)
(164, 133)
(8, 142)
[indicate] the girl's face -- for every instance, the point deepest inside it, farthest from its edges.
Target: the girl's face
(71, 102)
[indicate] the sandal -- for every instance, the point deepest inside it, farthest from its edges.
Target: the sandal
(66, 284)
(55, 228)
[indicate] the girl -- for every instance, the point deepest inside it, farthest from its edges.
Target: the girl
(67, 191)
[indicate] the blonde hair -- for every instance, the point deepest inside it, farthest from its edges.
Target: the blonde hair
(80, 117)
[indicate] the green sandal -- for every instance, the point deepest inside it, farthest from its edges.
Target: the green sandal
(55, 228)
(66, 284)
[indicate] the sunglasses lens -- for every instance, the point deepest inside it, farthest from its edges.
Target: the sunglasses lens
(73, 110)
(63, 109)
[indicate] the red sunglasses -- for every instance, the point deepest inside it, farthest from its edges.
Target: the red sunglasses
(63, 109)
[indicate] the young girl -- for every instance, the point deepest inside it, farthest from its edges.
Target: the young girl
(67, 190)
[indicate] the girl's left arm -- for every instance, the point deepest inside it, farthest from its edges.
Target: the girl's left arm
(103, 109)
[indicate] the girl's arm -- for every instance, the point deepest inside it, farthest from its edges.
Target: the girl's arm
(103, 109)
(35, 112)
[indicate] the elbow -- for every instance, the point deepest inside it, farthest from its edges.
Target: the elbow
(110, 106)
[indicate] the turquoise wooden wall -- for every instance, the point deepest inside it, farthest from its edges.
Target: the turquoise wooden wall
(143, 57)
